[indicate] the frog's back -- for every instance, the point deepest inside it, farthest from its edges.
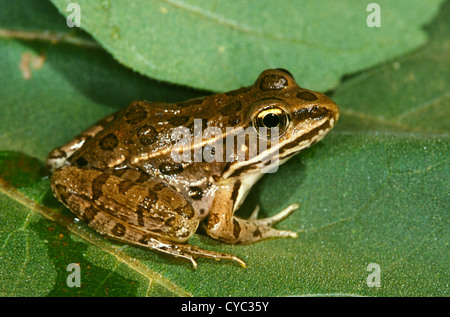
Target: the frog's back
(144, 130)
(132, 131)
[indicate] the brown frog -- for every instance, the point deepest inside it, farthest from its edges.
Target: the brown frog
(132, 179)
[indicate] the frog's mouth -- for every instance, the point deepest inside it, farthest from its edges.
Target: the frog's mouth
(279, 152)
(306, 140)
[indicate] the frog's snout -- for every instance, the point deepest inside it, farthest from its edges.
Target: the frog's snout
(333, 111)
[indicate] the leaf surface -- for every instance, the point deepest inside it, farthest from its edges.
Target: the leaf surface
(374, 191)
(221, 45)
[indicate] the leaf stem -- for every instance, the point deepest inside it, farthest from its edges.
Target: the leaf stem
(47, 36)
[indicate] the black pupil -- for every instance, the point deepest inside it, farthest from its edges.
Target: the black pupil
(271, 120)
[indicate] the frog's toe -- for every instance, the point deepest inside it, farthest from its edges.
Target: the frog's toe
(190, 253)
(265, 230)
(275, 233)
(269, 221)
(255, 213)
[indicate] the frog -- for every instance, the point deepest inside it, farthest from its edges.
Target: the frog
(122, 179)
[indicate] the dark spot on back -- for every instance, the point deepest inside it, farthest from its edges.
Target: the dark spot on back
(135, 114)
(306, 95)
(273, 82)
(109, 142)
(97, 184)
(119, 230)
(146, 134)
(170, 168)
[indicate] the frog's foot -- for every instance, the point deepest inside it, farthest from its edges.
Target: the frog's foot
(189, 252)
(243, 231)
(273, 220)
(283, 214)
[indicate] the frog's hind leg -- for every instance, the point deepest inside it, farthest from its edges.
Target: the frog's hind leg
(59, 156)
(132, 207)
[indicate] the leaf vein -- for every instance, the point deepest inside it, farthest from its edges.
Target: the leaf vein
(223, 21)
(423, 105)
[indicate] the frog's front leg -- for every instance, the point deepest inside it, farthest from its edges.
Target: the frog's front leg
(224, 226)
(132, 207)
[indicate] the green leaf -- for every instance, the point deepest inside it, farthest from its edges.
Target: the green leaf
(220, 45)
(374, 191)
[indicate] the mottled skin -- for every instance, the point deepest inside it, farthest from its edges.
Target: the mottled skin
(120, 178)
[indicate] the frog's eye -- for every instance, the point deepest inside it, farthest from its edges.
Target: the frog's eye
(268, 119)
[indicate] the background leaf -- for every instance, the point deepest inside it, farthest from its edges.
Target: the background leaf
(374, 191)
(221, 45)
